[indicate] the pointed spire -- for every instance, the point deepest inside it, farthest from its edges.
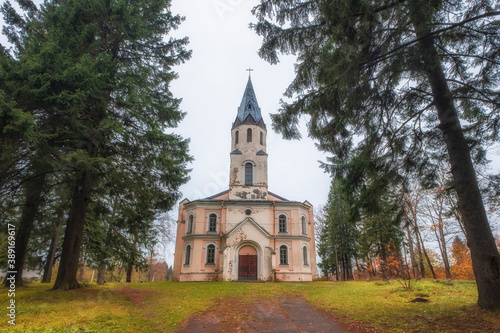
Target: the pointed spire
(249, 105)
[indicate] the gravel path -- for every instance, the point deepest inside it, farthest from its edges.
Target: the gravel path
(287, 314)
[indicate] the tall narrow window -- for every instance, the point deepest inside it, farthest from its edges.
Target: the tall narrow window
(248, 174)
(236, 137)
(190, 224)
(282, 223)
(283, 255)
(211, 254)
(261, 138)
(305, 256)
(304, 225)
(249, 135)
(188, 255)
(212, 223)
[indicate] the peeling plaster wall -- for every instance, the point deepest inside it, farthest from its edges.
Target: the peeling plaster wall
(262, 233)
(226, 262)
(248, 152)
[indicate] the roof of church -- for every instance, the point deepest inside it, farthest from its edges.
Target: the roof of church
(249, 110)
(212, 197)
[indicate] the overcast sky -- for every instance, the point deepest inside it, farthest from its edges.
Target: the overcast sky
(212, 85)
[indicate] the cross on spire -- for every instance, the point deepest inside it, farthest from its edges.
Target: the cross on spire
(249, 70)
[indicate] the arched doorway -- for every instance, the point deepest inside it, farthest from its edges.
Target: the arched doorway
(247, 263)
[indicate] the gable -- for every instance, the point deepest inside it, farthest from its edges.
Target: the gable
(251, 222)
(219, 196)
(275, 197)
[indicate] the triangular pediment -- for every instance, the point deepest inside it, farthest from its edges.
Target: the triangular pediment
(250, 221)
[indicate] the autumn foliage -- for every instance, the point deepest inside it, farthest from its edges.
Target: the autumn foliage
(462, 263)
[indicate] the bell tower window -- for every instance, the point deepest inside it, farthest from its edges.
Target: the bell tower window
(249, 135)
(261, 138)
(236, 137)
(248, 174)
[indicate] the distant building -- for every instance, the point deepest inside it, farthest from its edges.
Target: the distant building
(246, 232)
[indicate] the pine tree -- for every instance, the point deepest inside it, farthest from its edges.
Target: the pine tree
(395, 78)
(100, 71)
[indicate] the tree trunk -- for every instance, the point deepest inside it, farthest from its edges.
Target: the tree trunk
(425, 254)
(484, 253)
(444, 253)
(129, 273)
(337, 266)
(34, 191)
(70, 257)
(419, 250)
(383, 264)
(82, 268)
(47, 272)
(414, 265)
(101, 273)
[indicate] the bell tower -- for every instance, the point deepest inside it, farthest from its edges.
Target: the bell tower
(248, 168)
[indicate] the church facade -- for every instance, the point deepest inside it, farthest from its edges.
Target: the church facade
(245, 232)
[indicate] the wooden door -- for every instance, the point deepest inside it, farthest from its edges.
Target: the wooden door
(247, 267)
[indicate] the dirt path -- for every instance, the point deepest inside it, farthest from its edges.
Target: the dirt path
(287, 314)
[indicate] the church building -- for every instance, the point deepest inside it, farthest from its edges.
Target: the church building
(245, 232)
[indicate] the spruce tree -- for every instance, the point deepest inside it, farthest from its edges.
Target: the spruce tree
(396, 77)
(100, 72)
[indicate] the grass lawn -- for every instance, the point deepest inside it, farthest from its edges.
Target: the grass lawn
(162, 306)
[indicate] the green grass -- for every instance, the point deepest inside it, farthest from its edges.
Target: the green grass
(387, 307)
(163, 306)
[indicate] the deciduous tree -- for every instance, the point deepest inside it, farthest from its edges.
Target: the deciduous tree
(395, 78)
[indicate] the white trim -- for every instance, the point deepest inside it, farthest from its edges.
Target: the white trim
(248, 161)
(254, 166)
(302, 224)
(216, 221)
(190, 254)
(248, 219)
(188, 224)
(215, 252)
(287, 222)
(278, 250)
(305, 246)
(260, 262)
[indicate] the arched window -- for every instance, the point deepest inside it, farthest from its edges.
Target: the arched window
(190, 224)
(282, 227)
(248, 174)
(187, 260)
(210, 254)
(236, 137)
(212, 223)
(261, 138)
(249, 135)
(305, 256)
(283, 255)
(304, 225)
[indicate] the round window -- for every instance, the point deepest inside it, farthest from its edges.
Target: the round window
(248, 212)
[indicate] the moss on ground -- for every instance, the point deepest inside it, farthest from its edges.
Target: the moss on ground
(163, 306)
